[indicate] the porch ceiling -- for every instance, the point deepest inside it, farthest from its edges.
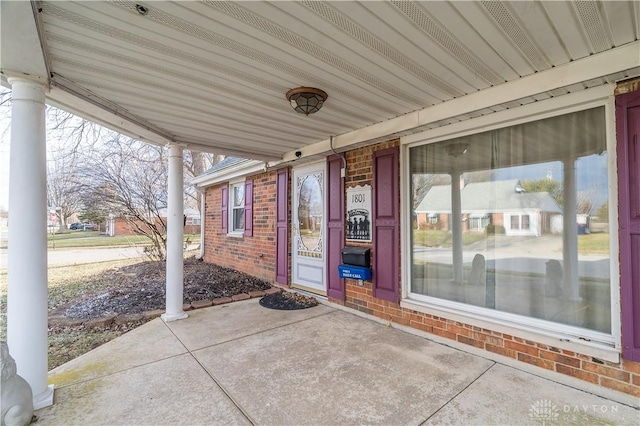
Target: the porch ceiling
(213, 75)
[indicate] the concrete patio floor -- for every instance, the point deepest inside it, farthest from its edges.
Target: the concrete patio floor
(244, 364)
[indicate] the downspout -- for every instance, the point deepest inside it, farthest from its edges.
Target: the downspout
(200, 256)
(343, 172)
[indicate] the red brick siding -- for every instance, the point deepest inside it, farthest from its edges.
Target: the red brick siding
(254, 255)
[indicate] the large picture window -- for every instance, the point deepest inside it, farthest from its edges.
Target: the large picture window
(521, 220)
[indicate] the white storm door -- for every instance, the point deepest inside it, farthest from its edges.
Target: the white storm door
(308, 221)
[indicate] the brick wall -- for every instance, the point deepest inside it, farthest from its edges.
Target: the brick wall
(623, 376)
(122, 227)
(253, 255)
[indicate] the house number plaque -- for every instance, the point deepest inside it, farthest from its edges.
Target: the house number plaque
(359, 213)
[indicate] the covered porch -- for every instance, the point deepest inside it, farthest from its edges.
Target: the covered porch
(245, 364)
(212, 76)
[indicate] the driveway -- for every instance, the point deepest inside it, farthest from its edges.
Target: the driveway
(61, 257)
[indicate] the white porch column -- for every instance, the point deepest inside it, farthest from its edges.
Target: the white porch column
(27, 254)
(175, 233)
(456, 227)
(570, 232)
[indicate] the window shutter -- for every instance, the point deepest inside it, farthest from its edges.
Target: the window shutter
(248, 208)
(335, 227)
(628, 135)
(386, 225)
(224, 208)
(282, 226)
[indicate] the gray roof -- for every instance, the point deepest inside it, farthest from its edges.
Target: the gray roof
(227, 162)
(488, 197)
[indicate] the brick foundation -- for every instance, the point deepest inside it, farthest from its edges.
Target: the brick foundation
(623, 376)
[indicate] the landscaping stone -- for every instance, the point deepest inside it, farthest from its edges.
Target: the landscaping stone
(127, 318)
(100, 322)
(256, 293)
(187, 307)
(66, 322)
(153, 314)
(201, 304)
(241, 296)
(221, 301)
(272, 290)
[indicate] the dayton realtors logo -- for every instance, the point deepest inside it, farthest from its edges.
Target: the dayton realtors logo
(544, 411)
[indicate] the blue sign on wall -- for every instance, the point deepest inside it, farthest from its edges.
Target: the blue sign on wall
(354, 272)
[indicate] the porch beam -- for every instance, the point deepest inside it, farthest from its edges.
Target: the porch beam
(175, 233)
(27, 292)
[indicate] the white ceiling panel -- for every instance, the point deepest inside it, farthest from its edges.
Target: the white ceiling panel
(213, 75)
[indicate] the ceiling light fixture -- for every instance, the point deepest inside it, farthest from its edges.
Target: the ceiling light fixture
(306, 100)
(456, 149)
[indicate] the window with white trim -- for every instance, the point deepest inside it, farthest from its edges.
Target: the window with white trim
(533, 180)
(236, 207)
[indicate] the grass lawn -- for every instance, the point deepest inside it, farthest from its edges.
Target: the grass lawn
(67, 283)
(95, 239)
(593, 243)
(434, 238)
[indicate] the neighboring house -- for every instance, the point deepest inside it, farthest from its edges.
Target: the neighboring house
(122, 226)
(501, 203)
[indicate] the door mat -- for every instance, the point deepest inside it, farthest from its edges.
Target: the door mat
(288, 301)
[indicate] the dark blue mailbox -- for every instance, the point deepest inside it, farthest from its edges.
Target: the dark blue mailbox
(354, 272)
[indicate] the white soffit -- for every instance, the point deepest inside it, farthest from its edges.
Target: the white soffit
(212, 75)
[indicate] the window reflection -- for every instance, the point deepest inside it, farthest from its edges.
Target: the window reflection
(516, 220)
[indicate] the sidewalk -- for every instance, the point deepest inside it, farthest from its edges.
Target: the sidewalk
(244, 364)
(79, 256)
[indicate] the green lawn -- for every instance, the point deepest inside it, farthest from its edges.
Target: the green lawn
(593, 243)
(94, 239)
(434, 238)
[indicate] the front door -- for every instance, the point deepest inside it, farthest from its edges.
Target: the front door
(308, 220)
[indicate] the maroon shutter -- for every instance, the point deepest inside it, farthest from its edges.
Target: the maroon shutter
(282, 226)
(386, 225)
(248, 208)
(224, 208)
(335, 227)
(628, 135)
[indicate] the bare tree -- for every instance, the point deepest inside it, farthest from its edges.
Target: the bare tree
(195, 164)
(94, 171)
(130, 176)
(64, 188)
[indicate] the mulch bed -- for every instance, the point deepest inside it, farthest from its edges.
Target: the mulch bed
(288, 301)
(141, 288)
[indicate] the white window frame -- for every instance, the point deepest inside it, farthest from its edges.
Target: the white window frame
(602, 345)
(231, 231)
